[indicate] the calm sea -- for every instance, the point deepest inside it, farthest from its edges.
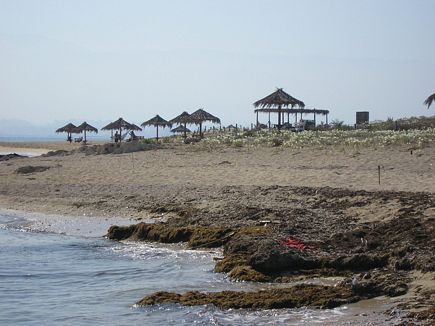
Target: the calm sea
(51, 278)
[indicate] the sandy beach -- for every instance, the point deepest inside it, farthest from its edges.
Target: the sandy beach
(321, 196)
(77, 183)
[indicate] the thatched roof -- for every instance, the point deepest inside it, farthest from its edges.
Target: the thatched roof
(200, 116)
(180, 129)
(86, 126)
(279, 98)
(121, 124)
(429, 100)
(69, 128)
(182, 118)
(157, 121)
(135, 127)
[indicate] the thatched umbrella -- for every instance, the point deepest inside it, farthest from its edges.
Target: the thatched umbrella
(200, 116)
(156, 122)
(69, 129)
(121, 124)
(84, 127)
(278, 100)
(182, 119)
(429, 100)
(180, 129)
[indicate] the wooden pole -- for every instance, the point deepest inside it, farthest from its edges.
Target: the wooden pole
(379, 174)
(279, 117)
(257, 118)
(157, 126)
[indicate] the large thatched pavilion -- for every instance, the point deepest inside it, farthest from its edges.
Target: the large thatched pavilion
(283, 104)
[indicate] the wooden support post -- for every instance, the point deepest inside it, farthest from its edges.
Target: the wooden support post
(379, 174)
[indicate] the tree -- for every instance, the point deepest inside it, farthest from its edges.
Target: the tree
(429, 100)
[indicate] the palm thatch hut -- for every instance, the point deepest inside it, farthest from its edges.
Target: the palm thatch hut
(182, 119)
(157, 122)
(429, 100)
(181, 129)
(200, 116)
(276, 101)
(84, 127)
(120, 125)
(69, 129)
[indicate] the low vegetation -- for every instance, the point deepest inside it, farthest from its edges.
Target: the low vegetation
(415, 132)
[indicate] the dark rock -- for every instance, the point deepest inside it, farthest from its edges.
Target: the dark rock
(269, 258)
(247, 273)
(201, 236)
(59, 152)
(8, 157)
(396, 290)
(403, 264)
(358, 262)
(297, 296)
(31, 169)
(229, 262)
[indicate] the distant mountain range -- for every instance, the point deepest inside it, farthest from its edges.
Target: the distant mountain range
(16, 129)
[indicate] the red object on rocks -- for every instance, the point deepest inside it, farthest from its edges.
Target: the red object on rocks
(292, 243)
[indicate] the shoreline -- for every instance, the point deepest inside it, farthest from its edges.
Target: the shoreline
(88, 226)
(328, 199)
(372, 310)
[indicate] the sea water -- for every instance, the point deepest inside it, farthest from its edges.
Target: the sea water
(64, 278)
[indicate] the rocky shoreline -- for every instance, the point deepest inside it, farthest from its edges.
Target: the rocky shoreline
(317, 239)
(313, 219)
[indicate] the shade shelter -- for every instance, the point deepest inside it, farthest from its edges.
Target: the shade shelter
(200, 116)
(430, 100)
(120, 125)
(180, 129)
(182, 119)
(287, 111)
(157, 122)
(276, 102)
(69, 129)
(84, 127)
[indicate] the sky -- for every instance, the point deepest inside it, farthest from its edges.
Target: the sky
(98, 60)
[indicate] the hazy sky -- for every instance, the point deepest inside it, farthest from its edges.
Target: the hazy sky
(99, 60)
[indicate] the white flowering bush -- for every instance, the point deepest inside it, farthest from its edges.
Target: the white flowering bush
(348, 138)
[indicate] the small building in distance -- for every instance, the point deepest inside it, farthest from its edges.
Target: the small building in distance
(362, 117)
